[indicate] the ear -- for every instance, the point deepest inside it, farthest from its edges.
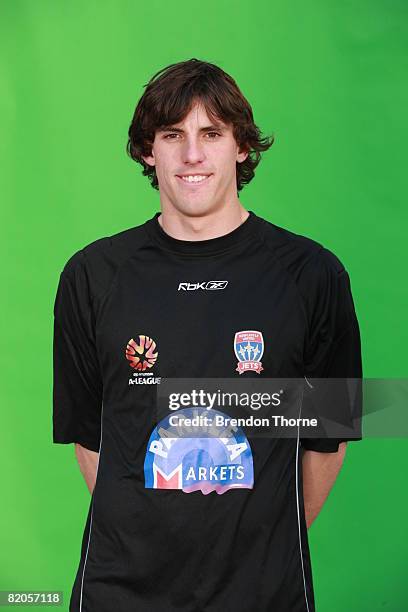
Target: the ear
(242, 155)
(149, 159)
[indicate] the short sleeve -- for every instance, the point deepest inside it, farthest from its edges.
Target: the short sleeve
(333, 351)
(77, 381)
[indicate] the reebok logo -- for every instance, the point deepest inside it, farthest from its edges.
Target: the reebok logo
(205, 285)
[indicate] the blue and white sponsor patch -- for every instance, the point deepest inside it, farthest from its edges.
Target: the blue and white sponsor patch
(211, 459)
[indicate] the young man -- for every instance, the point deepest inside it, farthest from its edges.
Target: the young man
(204, 289)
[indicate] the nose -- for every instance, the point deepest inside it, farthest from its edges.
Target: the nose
(192, 151)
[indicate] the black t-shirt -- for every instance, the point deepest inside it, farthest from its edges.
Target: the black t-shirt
(200, 525)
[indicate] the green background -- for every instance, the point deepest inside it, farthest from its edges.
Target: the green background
(329, 80)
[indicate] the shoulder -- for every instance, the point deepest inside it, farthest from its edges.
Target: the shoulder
(98, 261)
(302, 257)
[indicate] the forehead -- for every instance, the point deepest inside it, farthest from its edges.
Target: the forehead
(198, 116)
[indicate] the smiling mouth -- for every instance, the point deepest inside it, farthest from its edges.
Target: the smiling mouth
(194, 179)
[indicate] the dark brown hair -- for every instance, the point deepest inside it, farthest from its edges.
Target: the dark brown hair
(169, 97)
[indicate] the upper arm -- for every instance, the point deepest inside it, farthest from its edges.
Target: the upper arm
(77, 381)
(332, 356)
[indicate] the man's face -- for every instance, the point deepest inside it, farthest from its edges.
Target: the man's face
(195, 163)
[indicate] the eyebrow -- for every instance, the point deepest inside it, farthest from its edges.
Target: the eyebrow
(208, 128)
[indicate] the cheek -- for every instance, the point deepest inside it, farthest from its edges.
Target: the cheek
(163, 165)
(226, 156)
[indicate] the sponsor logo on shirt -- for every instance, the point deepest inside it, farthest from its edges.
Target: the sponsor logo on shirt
(142, 355)
(249, 348)
(210, 459)
(204, 285)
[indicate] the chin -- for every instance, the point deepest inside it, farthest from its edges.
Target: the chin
(194, 209)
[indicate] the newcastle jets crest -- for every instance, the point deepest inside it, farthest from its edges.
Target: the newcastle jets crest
(249, 348)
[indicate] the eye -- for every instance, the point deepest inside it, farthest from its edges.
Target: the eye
(213, 134)
(170, 136)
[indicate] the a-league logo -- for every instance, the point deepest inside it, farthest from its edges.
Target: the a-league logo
(249, 348)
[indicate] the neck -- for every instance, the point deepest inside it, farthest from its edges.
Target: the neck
(210, 224)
